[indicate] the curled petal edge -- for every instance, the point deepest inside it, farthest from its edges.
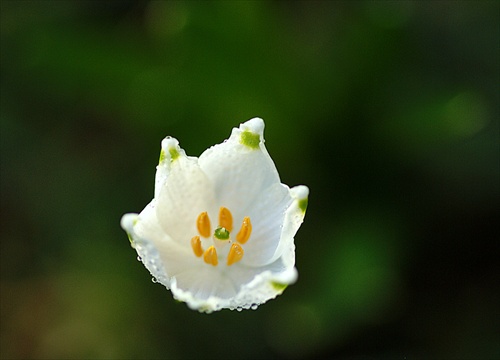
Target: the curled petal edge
(264, 286)
(147, 252)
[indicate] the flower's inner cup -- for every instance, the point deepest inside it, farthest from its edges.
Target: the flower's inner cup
(220, 239)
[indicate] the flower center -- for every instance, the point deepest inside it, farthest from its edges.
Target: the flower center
(220, 238)
(221, 233)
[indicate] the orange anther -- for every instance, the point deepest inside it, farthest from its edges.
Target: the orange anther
(210, 256)
(245, 231)
(196, 245)
(235, 254)
(203, 224)
(225, 219)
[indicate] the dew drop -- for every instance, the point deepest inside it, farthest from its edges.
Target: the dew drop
(153, 279)
(139, 258)
(255, 306)
(239, 308)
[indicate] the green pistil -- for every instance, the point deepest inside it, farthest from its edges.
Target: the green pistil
(221, 233)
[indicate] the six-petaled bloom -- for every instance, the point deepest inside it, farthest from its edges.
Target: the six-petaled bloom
(220, 230)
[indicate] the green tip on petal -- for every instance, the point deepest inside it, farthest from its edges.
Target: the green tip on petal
(205, 309)
(278, 286)
(130, 238)
(162, 156)
(250, 139)
(174, 154)
(221, 233)
(303, 204)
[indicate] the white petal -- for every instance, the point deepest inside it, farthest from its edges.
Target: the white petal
(267, 215)
(246, 182)
(240, 172)
(265, 286)
(242, 287)
(149, 241)
(293, 219)
(199, 284)
(162, 256)
(186, 193)
(170, 150)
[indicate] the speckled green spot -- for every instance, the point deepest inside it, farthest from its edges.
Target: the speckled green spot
(278, 286)
(303, 205)
(162, 156)
(221, 233)
(250, 139)
(174, 154)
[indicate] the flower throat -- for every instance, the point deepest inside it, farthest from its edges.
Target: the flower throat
(220, 237)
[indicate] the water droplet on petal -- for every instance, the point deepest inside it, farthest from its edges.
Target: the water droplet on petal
(153, 279)
(139, 258)
(255, 306)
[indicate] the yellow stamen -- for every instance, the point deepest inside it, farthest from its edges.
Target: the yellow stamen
(225, 219)
(196, 245)
(235, 254)
(245, 231)
(203, 224)
(210, 256)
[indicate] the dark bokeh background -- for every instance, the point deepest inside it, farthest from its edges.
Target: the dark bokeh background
(388, 111)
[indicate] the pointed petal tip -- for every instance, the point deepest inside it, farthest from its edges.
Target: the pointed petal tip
(250, 133)
(255, 125)
(169, 142)
(288, 277)
(300, 192)
(170, 149)
(128, 221)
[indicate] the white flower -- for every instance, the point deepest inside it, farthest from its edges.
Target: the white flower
(220, 230)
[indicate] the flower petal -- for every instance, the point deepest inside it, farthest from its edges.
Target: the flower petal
(185, 194)
(240, 288)
(267, 214)
(240, 169)
(294, 217)
(170, 151)
(197, 285)
(246, 182)
(163, 257)
(149, 240)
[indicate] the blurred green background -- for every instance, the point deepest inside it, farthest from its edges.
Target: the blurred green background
(387, 110)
